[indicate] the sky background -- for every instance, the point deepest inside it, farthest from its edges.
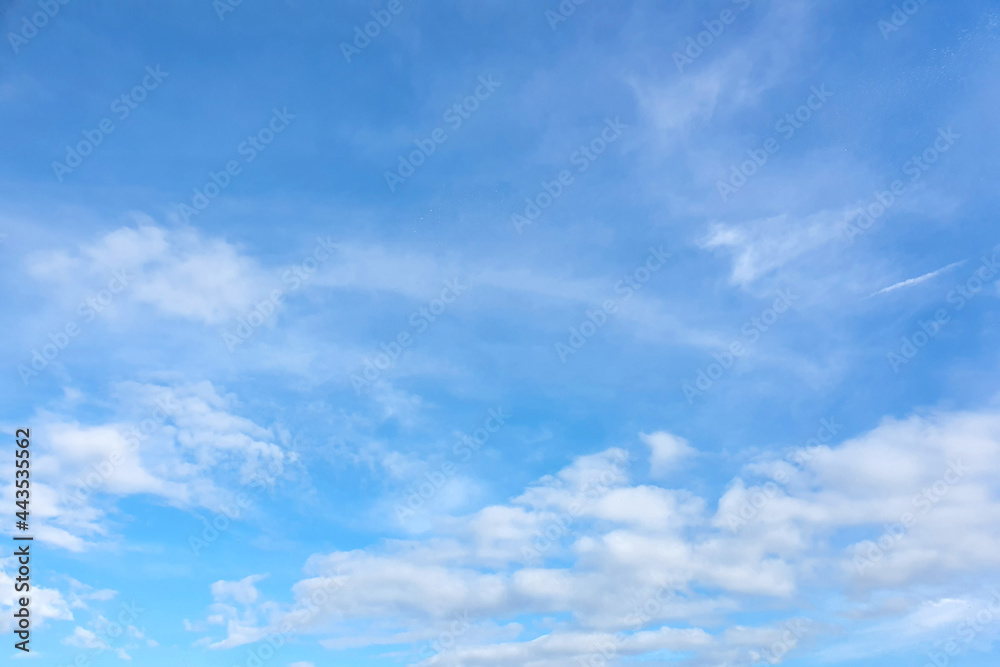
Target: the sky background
(266, 489)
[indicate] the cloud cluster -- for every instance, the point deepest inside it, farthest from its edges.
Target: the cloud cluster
(181, 445)
(639, 568)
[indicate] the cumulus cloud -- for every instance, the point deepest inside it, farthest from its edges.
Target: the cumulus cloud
(47, 604)
(243, 591)
(666, 450)
(637, 568)
(180, 444)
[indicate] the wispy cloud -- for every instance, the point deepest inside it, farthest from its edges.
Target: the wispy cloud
(916, 281)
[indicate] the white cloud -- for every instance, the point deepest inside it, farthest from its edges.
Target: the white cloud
(761, 246)
(727, 80)
(83, 638)
(47, 604)
(920, 279)
(593, 544)
(243, 591)
(180, 444)
(666, 451)
(179, 272)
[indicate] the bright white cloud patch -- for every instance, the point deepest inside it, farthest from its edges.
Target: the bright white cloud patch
(178, 444)
(628, 566)
(181, 272)
(666, 450)
(47, 604)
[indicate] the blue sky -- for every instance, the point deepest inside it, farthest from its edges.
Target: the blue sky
(513, 334)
